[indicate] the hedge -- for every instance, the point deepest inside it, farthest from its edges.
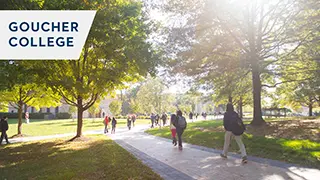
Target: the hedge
(63, 115)
(31, 115)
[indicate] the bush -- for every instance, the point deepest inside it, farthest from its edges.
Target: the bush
(63, 115)
(31, 115)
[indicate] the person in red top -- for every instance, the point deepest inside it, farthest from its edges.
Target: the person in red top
(106, 122)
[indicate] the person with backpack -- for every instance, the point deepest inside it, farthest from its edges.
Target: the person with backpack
(173, 120)
(114, 124)
(4, 128)
(181, 125)
(234, 126)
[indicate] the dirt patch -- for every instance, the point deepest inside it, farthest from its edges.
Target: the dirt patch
(290, 129)
(80, 139)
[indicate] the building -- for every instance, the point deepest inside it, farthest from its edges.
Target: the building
(64, 108)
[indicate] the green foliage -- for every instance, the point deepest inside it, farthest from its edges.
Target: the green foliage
(94, 109)
(116, 51)
(20, 86)
(303, 79)
(72, 109)
(151, 97)
(115, 107)
(188, 101)
(224, 44)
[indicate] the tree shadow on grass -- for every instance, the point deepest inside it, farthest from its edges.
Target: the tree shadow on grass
(58, 159)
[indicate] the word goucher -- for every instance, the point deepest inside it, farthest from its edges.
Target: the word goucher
(41, 28)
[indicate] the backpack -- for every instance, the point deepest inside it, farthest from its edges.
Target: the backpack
(237, 126)
(182, 123)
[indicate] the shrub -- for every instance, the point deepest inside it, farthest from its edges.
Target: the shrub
(31, 115)
(63, 115)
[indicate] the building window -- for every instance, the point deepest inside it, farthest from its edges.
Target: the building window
(32, 109)
(48, 110)
(57, 110)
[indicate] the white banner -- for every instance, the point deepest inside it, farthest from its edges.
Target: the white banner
(43, 34)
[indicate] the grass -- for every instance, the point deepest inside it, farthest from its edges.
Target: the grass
(96, 158)
(211, 134)
(50, 127)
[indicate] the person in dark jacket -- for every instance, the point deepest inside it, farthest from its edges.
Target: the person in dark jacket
(114, 124)
(179, 129)
(4, 128)
(191, 116)
(129, 121)
(234, 126)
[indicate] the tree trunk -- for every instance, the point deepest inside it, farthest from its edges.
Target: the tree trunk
(240, 108)
(80, 117)
(310, 109)
(230, 99)
(256, 84)
(310, 106)
(20, 106)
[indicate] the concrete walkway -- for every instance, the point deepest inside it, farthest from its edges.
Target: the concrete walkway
(195, 162)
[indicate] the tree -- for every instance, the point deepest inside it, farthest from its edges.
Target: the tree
(115, 107)
(116, 51)
(151, 96)
(94, 109)
(19, 88)
(28, 94)
(254, 33)
(187, 102)
(303, 79)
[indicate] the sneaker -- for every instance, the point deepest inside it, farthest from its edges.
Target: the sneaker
(244, 159)
(175, 143)
(180, 147)
(223, 156)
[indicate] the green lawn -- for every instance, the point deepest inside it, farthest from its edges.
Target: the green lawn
(96, 158)
(211, 134)
(50, 127)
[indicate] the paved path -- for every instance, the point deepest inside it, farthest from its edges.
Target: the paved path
(195, 162)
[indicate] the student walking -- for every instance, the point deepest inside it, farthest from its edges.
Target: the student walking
(191, 116)
(114, 124)
(133, 118)
(153, 118)
(129, 122)
(181, 125)
(173, 120)
(234, 127)
(106, 124)
(4, 128)
(164, 119)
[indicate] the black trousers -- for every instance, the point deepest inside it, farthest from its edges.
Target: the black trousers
(4, 135)
(180, 132)
(113, 129)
